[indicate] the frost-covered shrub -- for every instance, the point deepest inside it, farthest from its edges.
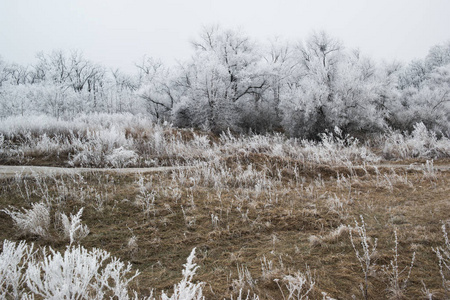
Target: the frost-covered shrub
(335, 148)
(45, 144)
(365, 256)
(98, 148)
(157, 142)
(109, 138)
(185, 289)
(73, 230)
(13, 263)
(421, 143)
(121, 158)
(79, 274)
(90, 155)
(298, 285)
(32, 221)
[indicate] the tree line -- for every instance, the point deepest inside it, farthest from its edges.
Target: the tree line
(234, 82)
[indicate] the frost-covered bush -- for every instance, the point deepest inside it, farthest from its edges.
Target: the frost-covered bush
(38, 124)
(32, 221)
(73, 230)
(35, 125)
(423, 94)
(79, 274)
(110, 138)
(90, 155)
(99, 141)
(337, 149)
(88, 139)
(421, 143)
(93, 154)
(298, 285)
(49, 145)
(186, 289)
(365, 253)
(121, 157)
(334, 148)
(101, 147)
(13, 262)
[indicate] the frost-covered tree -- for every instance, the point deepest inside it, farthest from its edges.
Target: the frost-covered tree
(233, 82)
(222, 73)
(15, 100)
(429, 103)
(262, 113)
(68, 69)
(4, 73)
(306, 109)
(438, 56)
(157, 88)
(413, 75)
(120, 92)
(424, 92)
(332, 87)
(68, 73)
(18, 74)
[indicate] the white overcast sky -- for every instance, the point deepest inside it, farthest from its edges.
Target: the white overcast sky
(118, 33)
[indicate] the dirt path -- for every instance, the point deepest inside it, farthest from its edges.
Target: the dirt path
(11, 171)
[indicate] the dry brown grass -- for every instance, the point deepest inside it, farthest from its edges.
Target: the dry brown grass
(295, 222)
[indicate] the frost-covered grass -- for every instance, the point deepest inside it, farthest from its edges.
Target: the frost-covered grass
(269, 216)
(333, 148)
(98, 140)
(264, 226)
(116, 141)
(421, 143)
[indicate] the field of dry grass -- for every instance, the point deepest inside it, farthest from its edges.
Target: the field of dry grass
(255, 219)
(269, 217)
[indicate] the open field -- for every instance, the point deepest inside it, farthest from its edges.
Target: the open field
(251, 167)
(266, 217)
